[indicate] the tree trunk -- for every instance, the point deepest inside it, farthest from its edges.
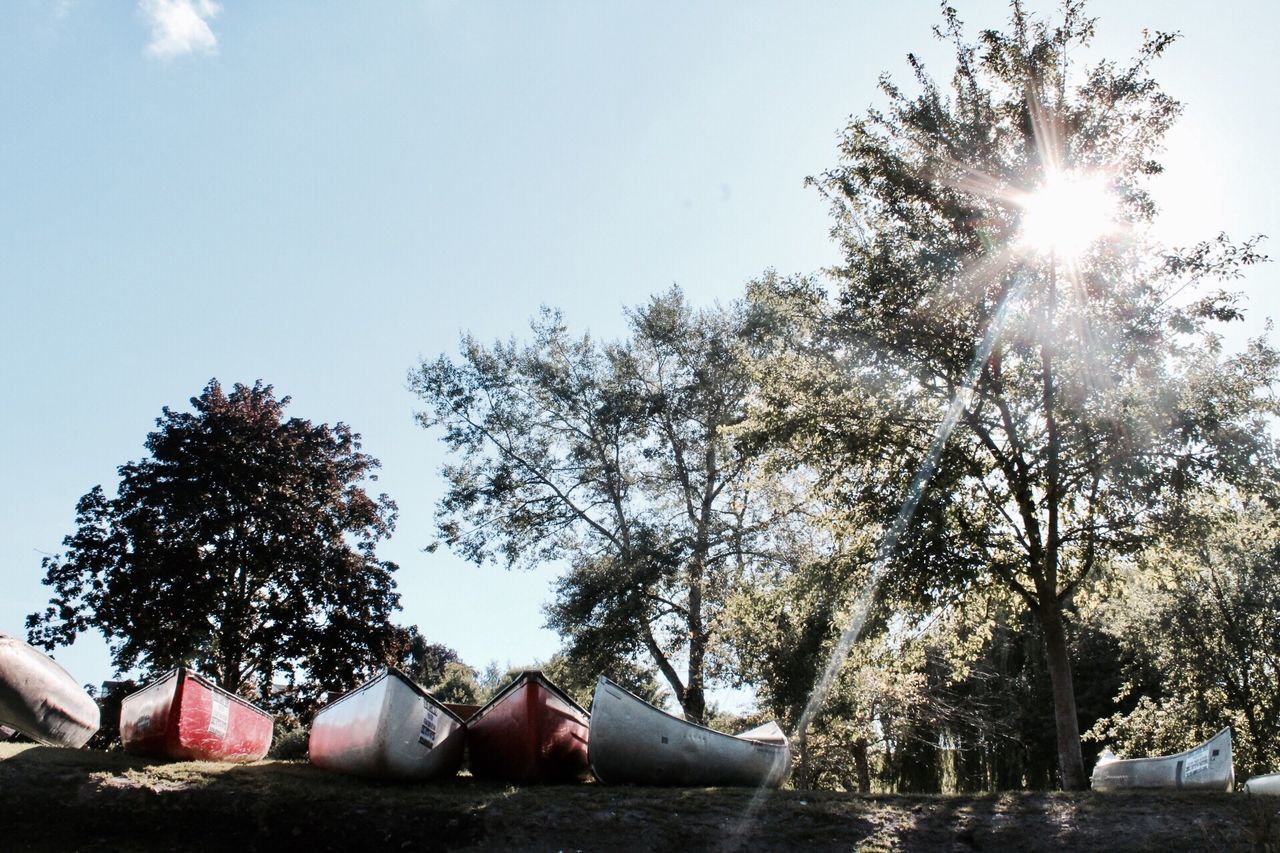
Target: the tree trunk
(863, 765)
(1070, 759)
(695, 700)
(804, 782)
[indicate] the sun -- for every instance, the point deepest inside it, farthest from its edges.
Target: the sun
(1067, 214)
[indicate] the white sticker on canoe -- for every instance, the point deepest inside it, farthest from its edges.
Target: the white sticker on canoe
(219, 714)
(427, 737)
(1197, 762)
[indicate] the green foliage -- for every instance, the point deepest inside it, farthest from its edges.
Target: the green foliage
(1202, 610)
(1104, 398)
(457, 683)
(242, 545)
(426, 662)
(289, 741)
(616, 459)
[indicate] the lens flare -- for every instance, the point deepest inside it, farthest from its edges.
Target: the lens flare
(1067, 215)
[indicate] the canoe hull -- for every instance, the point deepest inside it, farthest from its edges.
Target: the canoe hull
(530, 732)
(1206, 767)
(40, 699)
(634, 743)
(388, 728)
(1268, 785)
(184, 717)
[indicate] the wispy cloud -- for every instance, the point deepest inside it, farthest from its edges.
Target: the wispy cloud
(179, 27)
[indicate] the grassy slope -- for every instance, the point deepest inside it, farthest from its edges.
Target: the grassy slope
(55, 799)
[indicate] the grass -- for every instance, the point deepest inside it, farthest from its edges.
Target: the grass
(57, 799)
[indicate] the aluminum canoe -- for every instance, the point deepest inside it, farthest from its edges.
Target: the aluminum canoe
(1268, 785)
(1206, 767)
(40, 699)
(388, 728)
(184, 716)
(634, 743)
(531, 731)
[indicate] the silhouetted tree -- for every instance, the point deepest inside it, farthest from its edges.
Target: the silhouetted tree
(242, 545)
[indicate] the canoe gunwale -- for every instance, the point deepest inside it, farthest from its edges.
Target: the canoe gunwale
(780, 764)
(666, 713)
(529, 676)
(183, 673)
(394, 672)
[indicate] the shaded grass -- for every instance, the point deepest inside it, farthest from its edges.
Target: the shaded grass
(56, 799)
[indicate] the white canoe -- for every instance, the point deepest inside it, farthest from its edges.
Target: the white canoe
(40, 699)
(389, 728)
(1268, 785)
(1206, 767)
(632, 742)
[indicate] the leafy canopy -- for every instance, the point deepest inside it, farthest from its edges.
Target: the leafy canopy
(615, 458)
(1088, 394)
(242, 545)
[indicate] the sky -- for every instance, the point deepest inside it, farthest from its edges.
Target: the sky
(320, 194)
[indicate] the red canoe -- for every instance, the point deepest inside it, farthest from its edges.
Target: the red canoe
(185, 716)
(531, 731)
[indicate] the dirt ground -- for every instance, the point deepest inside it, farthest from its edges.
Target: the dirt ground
(58, 799)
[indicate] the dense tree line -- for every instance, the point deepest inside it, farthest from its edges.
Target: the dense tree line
(1025, 424)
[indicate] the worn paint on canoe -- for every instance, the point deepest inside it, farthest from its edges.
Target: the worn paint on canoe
(634, 743)
(40, 699)
(388, 728)
(184, 716)
(530, 732)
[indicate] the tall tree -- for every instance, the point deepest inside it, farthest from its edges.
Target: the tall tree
(615, 458)
(242, 545)
(1073, 369)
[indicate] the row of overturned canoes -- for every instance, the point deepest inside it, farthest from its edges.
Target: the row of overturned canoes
(530, 732)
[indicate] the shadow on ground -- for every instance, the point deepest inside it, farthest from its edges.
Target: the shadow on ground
(57, 799)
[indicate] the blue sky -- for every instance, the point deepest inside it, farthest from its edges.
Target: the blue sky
(319, 193)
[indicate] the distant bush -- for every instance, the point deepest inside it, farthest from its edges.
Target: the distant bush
(289, 742)
(107, 738)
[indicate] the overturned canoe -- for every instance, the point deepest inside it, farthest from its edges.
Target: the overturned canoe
(388, 728)
(530, 731)
(40, 699)
(1206, 767)
(1268, 785)
(186, 717)
(634, 743)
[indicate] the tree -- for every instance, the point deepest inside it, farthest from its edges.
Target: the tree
(1202, 609)
(457, 683)
(1087, 389)
(426, 662)
(242, 545)
(617, 459)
